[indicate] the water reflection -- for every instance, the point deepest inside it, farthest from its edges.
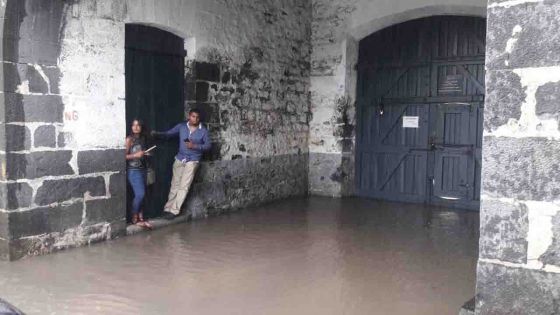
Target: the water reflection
(305, 256)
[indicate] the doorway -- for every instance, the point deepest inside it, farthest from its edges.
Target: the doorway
(154, 71)
(420, 103)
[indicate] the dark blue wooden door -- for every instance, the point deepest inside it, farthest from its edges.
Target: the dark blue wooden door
(420, 102)
(454, 148)
(154, 61)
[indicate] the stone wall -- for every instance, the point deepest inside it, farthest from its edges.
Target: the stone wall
(338, 26)
(519, 265)
(63, 118)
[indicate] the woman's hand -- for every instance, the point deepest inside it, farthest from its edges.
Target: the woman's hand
(139, 154)
(190, 145)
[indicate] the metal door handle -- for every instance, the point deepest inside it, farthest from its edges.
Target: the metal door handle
(434, 146)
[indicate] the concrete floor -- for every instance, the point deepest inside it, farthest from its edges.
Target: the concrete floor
(305, 256)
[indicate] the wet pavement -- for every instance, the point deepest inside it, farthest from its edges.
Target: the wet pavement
(304, 256)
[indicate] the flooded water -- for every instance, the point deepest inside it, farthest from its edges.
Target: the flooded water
(305, 256)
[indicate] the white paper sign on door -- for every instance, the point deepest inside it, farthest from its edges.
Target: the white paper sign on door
(410, 121)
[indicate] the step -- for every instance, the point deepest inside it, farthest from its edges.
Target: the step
(8, 309)
(468, 308)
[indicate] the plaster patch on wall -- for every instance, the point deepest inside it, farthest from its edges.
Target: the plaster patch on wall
(511, 3)
(81, 236)
(74, 162)
(540, 235)
(84, 210)
(34, 184)
(328, 89)
(23, 88)
(551, 269)
(548, 268)
(107, 130)
(107, 178)
(44, 76)
(512, 41)
(502, 199)
(529, 124)
(92, 83)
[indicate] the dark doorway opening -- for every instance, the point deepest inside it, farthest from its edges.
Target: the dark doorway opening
(154, 70)
(420, 105)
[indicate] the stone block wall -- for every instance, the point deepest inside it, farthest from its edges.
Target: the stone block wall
(51, 194)
(62, 122)
(519, 265)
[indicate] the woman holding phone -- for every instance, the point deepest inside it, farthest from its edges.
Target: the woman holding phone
(136, 169)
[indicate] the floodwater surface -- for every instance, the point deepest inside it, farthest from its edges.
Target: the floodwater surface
(303, 256)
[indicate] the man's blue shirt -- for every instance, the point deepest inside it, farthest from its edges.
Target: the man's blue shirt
(199, 138)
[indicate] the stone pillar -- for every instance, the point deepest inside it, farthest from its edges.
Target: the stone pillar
(519, 264)
(332, 127)
(52, 195)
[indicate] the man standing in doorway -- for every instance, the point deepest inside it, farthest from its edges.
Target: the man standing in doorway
(193, 141)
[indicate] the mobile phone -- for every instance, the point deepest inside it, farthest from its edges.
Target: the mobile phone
(187, 140)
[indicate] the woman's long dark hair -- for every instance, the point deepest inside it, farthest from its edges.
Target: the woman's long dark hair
(143, 129)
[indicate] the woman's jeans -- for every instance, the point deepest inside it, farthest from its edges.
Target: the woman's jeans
(137, 179)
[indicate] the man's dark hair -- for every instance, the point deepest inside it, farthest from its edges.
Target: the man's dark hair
(194, 110)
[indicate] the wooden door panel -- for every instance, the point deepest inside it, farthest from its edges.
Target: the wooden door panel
(390, 131)
(452, 180)
(399, 175)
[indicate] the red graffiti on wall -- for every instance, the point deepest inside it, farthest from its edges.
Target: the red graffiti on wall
(71, 116)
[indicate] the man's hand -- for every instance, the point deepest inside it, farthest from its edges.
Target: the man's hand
(139, 154)
(190, 145)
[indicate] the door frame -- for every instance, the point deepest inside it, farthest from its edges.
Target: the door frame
(166, 49)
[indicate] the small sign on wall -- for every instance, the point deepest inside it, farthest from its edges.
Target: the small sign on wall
(410, 121)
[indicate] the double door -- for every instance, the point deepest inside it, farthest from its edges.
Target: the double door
(420, 107)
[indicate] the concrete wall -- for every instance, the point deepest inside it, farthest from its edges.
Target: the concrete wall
(338, 26)
(63, 114)
(519, 265)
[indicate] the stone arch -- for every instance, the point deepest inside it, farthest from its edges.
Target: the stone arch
(159, 26)
(362, 30)
(371, 26)
(368, 27)
(190, 41)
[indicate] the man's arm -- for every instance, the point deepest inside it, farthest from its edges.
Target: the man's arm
(169, 133)
(206, 144)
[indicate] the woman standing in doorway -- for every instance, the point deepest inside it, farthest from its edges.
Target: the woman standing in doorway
(136, 169)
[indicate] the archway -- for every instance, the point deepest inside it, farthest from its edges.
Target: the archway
(154, 73)
(420, 97)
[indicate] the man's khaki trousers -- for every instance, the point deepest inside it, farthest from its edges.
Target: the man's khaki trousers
(183, 175)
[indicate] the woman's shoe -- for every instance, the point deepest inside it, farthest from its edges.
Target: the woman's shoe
(144, 223)
(134, 219)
